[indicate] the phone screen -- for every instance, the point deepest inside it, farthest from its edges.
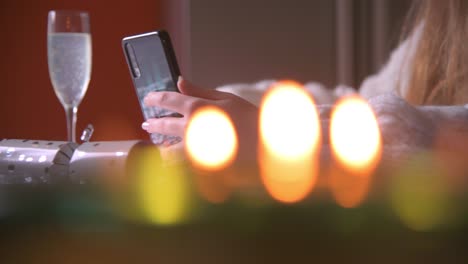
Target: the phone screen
(153, 68)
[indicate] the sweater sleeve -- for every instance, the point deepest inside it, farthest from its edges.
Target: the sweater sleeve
(396, 71)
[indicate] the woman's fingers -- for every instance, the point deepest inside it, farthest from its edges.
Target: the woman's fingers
(186, 102)
(189, 89)
(174, 126)
(180, 103)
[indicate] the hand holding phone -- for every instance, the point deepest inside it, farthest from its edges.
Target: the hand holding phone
(153, 67)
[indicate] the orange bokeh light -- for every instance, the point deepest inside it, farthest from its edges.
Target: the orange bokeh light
(289, 142)
(211, 140)
(348, 190)
(355, 135)
(356, 144)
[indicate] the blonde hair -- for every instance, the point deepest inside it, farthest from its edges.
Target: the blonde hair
(438, 71)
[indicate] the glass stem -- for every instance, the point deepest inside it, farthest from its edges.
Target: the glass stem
(71, 122)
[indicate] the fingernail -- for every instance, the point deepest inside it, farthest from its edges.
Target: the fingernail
(179, 80)
(147, 98)
(145, 125)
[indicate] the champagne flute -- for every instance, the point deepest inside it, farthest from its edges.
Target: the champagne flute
(69, 60)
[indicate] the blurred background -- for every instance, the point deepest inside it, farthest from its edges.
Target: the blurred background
(217, 42)
(175, 215)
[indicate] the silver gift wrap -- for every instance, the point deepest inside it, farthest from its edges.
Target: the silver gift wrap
(92, 161)
(34, 161)
(38, 161)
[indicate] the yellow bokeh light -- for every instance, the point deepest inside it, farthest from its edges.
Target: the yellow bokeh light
(354, 134)
(289, 142)
(211, 140)
(420, 194)
(163, 191)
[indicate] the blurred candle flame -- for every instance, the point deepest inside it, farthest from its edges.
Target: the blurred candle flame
(163, 190)
(356, 144)
(211, 140)
(289, 142)
(420, 194)
(211, 144)
(349, 190)
(354, 134)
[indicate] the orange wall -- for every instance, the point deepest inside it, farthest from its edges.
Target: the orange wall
(28, 105)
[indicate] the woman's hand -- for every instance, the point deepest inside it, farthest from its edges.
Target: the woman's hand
(244, 116)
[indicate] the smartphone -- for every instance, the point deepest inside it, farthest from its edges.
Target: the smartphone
(153, 67)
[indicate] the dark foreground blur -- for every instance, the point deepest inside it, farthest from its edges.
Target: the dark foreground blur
(415, 212)
(83, 225)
